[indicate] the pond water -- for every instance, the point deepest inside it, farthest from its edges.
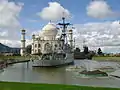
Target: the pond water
(24, 72)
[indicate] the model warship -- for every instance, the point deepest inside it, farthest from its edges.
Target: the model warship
(53, 46)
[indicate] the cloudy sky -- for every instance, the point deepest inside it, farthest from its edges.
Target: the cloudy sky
(96, 21)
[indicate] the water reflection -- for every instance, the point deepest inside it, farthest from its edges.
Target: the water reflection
(26, 73)
(52, 75)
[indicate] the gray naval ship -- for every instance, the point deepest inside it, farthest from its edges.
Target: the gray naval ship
(55, 46)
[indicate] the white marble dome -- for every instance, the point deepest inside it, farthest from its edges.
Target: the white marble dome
(50, 30)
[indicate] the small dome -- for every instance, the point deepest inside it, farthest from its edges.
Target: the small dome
(50, 29)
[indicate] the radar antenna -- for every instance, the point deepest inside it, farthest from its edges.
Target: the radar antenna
(64, 28)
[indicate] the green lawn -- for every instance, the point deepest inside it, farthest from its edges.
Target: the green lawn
(29, 86)
(102, 58)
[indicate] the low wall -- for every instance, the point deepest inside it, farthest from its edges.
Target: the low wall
(5, 63)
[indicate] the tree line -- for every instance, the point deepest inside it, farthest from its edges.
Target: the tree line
(86, 50)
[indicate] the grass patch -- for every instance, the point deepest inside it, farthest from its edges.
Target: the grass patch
(102, 58)
(30, 86)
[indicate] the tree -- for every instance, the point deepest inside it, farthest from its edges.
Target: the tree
(77, 50)
(28, 49)
(86, 51)
(99, 52)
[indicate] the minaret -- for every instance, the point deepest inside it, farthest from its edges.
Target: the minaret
(84, 43)
(22, 42)
(71, 38)
(33, 39)
(74, 43)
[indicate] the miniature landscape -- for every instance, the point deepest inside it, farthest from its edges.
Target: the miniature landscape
(59, 45)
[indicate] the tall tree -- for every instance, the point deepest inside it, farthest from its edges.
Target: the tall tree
(99, 52)
(77, 50)
(86, 51)
(28, 49)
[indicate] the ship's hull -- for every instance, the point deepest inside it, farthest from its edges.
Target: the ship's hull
(51, 63)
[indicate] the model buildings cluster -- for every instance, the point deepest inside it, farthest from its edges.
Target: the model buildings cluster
(47, 41)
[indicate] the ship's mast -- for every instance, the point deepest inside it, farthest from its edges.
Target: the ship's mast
(64, 28)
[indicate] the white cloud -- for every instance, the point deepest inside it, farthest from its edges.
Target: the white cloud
(11, 43)
(9, 24)
(9, 12)
(100, 9)
(54, 12)
(15, 43)
(111, 49)
(36, 32)
(3, 33)
(28, 42)
(106, 34)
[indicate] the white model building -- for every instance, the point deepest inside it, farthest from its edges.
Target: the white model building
(47, 41)
(22, 52)
(53, 46)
